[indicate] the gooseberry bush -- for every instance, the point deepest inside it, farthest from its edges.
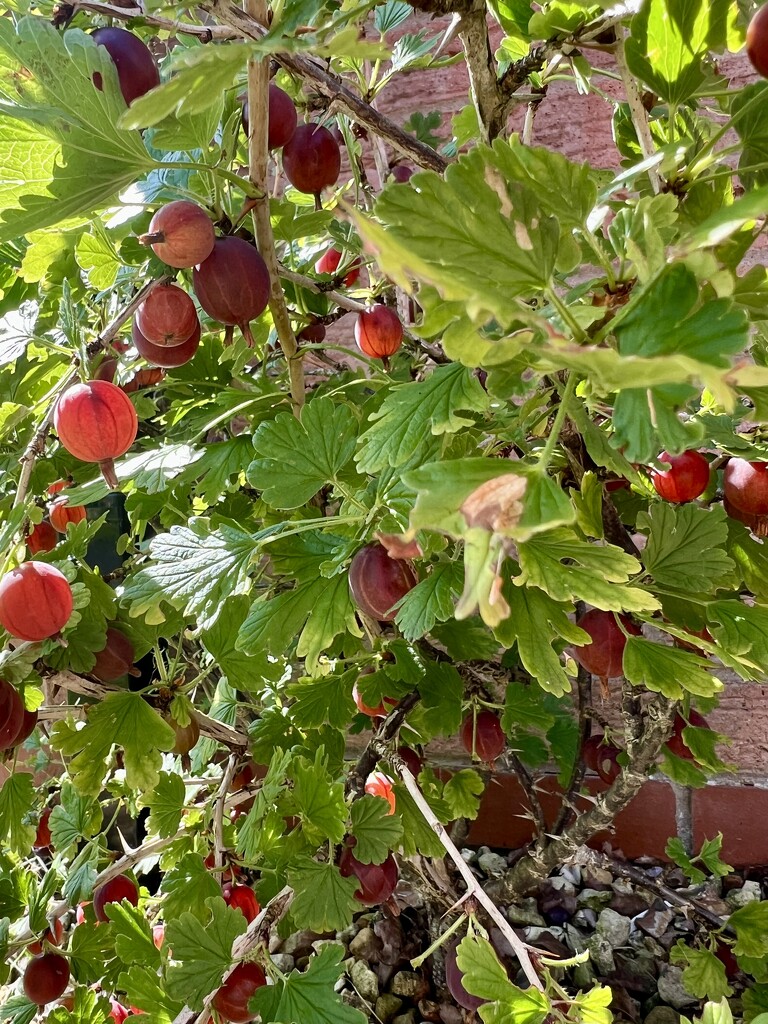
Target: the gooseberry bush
(324, 437)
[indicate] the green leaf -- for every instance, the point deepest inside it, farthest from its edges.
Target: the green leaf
(95, 602)
(703, 975)
(62, 155)
(668, 670)
(133, 935)
(318, 799)
(418, 835)
(76, 817)
(89, 1008)
(18, 1010)
(96, 254)
(315, 612)
(81, 876)
(144, 989)
(323, 900)
(413, 412)
(710, 856)
(252, 833)
(196, 569)
(166, 802)
(484, 977)
(462, 793)
(430, 601)
(751, 926)
(376, 829)
(323, 701)
(686, 547)
(741, 635)
(237, 668)
(669, 41)
(309, 997)
(534, 621)
(569, 569)
(17, 798)
(188, 886)
(475, 233)
(299, 457)
(442, 690)
(120, 719)
(750, 557)
(202, 951)
(90, 947)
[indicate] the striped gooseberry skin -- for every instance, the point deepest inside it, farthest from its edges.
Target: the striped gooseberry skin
(96, 422)
(35, 601)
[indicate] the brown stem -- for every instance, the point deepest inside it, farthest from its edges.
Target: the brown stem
(64, 12)
(258, 159)
(490, 105)
(218, 810)
(529, 787)
(332, 87)
(386, 732)
(583, 696)
(541, 859)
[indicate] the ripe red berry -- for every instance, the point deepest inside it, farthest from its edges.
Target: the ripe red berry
(601, 757)
(233, 997)
(114, 891)
(312, 159)
(45, 978)
(167, 317)
(482, 736)
(676, 744)
(42, 538)
(329, 263)
(136, 69)
(115, 659)
(379, 784)
(745, 486)
(28, 725)
(757, 42)
(96, 422)
(377, 881)
(380, 711)
(604, 655)
(686, 479)
(43, 835)
(401, 173)
(283, 118)
(167, 357)
(181, 234)
(35, 601)
(232, 284)
(413, 762)
(378, 582)
(242, 898)
(61, 514)
(312, 334)
(11, 715)
(378, 332)
(53, 935)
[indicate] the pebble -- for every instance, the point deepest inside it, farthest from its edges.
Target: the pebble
(655, 922)
(409, 984)
(409, 1017)
(672, 990)
(613, 928)
(595, 899)
(662, 1015)
(492, 864)
(387, 1007)
(365, 945)
(572, 872)
(750, 892)
(585, 918)
(450, 1014)
(560, 884)
(283, 962)
(601, 954)
(365, 981)
(469, 856)
(525, 912)
(300, 942)
(628, 904)
(596, 878)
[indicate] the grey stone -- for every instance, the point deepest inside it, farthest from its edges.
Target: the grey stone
(628, 904)
(318, 944)
(348, 934)
(409, 1017)
(525, 912)
(450, 1014)
(613, 928)
(387, 1007)
(623, 885)
(468, 856)
(672, 990)
(662, 1015)
(573, 873)
(365, 945)
(351, 998)
(595, 899)
(283, 962)
(601, 954)
(748, 893)
(655, 922)
(492, 864)
(300, 942)
(585, 918)
(408, 984)
(560, 884)
(596, 878)
(365, 981)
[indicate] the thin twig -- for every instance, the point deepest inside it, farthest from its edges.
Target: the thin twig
(637, 110)
(338, 298)
(219, 731)
(258, 159)
(583, 696)
(474, 889)
(529, 787)
(64, 13)
(218, 810)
